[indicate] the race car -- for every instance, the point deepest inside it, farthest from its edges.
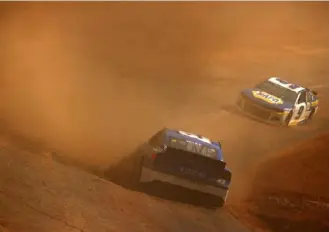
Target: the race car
(278, 101)
(184, 159)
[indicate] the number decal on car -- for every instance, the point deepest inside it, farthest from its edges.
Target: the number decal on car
(293, 86)
(300, 112)
(282, 81)
(287, 84)
(203, 139)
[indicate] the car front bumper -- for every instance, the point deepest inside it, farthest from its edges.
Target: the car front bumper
(150, 175)
(261, 113)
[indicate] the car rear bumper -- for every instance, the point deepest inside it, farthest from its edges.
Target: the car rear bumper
(150, 175)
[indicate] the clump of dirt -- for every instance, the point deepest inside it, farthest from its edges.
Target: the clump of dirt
(291, 192)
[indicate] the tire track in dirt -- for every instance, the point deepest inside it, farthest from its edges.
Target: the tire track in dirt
(100, 205)
(184, 219)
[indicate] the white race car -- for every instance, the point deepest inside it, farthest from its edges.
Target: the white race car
(278, 101)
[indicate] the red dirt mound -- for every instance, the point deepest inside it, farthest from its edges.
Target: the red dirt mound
(291, 191)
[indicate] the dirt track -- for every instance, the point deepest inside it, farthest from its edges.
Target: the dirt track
(296, 199)
(85, 77)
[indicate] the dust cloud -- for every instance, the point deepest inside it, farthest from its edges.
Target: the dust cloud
(94, 79)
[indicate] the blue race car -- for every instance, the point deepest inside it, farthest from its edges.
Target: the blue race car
(184, 159)
(278, 101)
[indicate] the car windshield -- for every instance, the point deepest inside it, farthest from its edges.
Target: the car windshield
(285, 94)
(192, 147)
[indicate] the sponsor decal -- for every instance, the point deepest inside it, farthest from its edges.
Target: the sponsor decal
(267, 97)
(315, 103)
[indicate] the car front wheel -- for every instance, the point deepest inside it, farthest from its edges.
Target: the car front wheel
(310, 117)
(288, 118)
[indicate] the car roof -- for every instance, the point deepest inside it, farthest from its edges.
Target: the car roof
(286, 84)
(175, 133)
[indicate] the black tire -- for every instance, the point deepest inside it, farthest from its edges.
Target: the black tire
(310, 117)
(288, 118)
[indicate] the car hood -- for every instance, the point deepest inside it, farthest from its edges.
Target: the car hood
(263, 98)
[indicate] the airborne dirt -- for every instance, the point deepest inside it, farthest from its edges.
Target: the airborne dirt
(94, 80)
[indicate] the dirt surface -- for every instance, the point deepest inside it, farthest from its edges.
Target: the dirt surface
(95, 79)
(290, 192)
(39, 194)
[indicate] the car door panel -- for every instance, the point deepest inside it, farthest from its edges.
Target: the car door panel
(301, 108)
(308, 103)
(299, 112)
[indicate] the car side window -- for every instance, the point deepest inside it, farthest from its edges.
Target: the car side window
(308, 97)
(302, 97)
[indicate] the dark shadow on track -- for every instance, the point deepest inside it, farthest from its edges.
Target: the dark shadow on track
(120, 174)
(182, 195)
(233, 110)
